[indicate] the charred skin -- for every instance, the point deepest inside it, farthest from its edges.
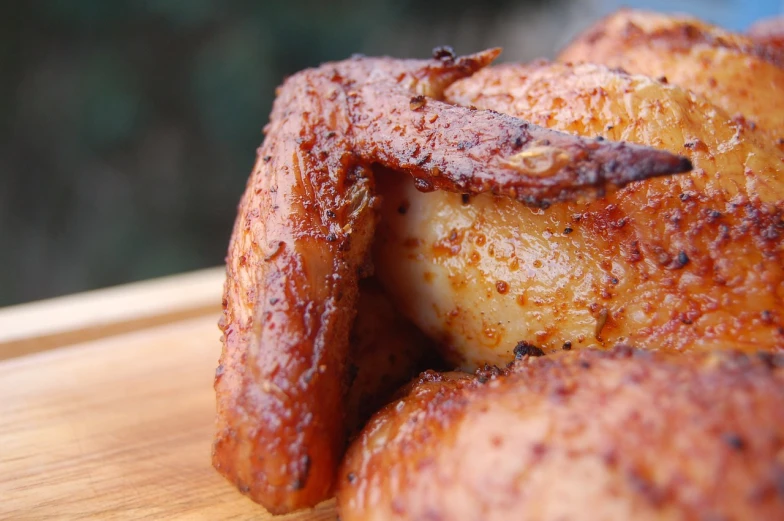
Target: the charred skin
(495, 153)
(621, 434)
(736, 73)
(303, 230)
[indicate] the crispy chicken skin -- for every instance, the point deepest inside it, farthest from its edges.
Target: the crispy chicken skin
(731, 70)
(619, 434)
(302, 234)
(691, 262)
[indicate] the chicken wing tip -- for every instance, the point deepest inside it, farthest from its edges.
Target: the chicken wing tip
(684, 165)
(481, 59)
(622, 163)
(655, 163)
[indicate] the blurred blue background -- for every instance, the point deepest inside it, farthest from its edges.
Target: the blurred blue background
(128, 128)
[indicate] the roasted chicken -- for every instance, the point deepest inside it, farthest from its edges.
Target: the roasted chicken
(302, 235)
(688, 262)
(502, 241)
(618, 435)
(732, 71)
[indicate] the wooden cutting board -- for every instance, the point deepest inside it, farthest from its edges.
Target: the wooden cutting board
(107, 406)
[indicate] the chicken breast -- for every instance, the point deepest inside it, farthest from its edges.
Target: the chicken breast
(732, 71)
(692, 262)
(301, 243)
(592, 435)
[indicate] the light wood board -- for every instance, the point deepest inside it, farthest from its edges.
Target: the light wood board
(47, 324)
(118, 427)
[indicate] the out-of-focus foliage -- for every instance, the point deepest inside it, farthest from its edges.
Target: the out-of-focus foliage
(128, 127)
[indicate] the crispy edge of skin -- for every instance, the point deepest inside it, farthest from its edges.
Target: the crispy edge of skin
(649, 450)
(289, 303)
(672, 32)
(733, 71)
(463, 150)
(301, 240)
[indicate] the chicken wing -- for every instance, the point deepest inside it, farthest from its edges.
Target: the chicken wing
(303, 229)
(730, 70)
(623, 434)
(690, 262)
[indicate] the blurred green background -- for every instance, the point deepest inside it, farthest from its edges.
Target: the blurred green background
(129, 128)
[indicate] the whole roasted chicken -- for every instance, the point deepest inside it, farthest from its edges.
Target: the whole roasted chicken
(491, 238)
(302, 238)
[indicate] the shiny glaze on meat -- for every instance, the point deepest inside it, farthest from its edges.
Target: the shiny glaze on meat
(731, 70)
(303, 229)
(588, 435)
(690, 262)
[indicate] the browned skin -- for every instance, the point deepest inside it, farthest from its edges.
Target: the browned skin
(589, 435)
(302, 233)
(690, 262)
(731, 70)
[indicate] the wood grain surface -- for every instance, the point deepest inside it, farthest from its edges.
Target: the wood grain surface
(118, 428)
(47, 324)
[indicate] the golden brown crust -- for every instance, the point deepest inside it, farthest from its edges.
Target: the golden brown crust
(461, 150)
(691, 262)
(732, 71)
(301, 238)
(605, 435)
(289, 303)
